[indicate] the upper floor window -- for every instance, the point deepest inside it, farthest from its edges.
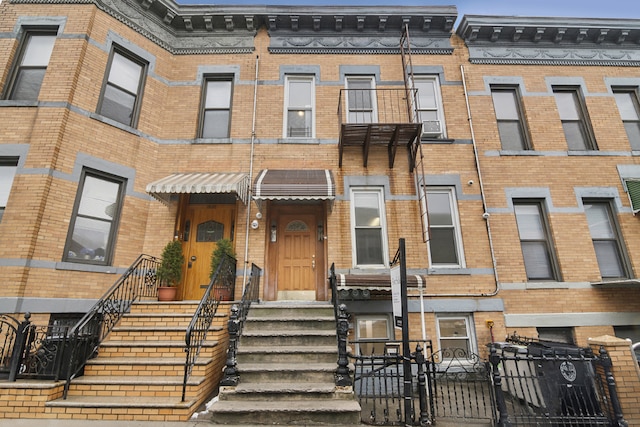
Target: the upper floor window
(627, 100)
(445, 244)
(94, 222)
(535, 241)
(429, 106)
(31, 65)
(368, 228)
(122, 90)
(574, 117)
(606, 239)
(511, 124)
(8, 167)
(216, 108)
(361, 100)
(299, 107)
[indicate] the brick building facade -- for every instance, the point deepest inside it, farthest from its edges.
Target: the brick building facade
(126, 124)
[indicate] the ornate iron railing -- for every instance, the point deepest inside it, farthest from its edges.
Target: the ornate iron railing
(8, 336)
(140, 280)
(236, 323)
(222, 284)
(343, 373)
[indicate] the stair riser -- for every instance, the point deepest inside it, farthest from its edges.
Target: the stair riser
(121, 414)
(138, 390)
(283, 312)
(287, 358)
(288, 417)
(155, 322)
(142, 352)
(285, 376)
(276, 341)
(285, 325)
(140, 370)
(271, 397)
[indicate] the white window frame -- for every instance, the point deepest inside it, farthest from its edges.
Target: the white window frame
(455, 218)
(372, 92)
(311, 108)
(373, 317)
(9, 167)
(470, 337)
(439, 109)
(383, 226)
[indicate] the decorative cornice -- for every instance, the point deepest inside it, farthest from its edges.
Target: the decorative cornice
(551, 41)
(201, 29)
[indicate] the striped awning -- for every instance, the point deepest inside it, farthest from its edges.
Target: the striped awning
(633, 189)
(203, 183)
(295, 184)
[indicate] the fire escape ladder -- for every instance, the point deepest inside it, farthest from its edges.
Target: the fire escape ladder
(417, 157)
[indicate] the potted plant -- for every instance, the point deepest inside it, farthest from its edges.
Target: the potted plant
(170, 271)
(224, 247)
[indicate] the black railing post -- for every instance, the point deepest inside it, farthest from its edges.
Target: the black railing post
(19, 346)
(422, 387)
(343, 376)
(494, 359)
(605, 362)
(230, 374)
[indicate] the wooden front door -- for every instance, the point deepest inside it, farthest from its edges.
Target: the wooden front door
(297, 254)
(204, 226)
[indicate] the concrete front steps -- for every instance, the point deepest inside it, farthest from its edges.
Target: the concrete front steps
(287, 357)
(139, 371)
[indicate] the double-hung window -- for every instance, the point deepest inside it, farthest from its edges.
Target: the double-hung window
(511, 124)
(299, 107)
(122, 89)
(456, 336)
(368, 228)
(445, 243)
(216, 108)
(429, 106)
(94, 223)
(629, 107)
(575, 119)
(31, 65)
(8, 167)
(606, 239)
(375, 331)
(535, 241)
(361, 99)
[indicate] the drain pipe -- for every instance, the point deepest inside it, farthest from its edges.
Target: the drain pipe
(485, 214)
(253, 140)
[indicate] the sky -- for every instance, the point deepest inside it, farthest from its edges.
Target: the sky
(569, 8)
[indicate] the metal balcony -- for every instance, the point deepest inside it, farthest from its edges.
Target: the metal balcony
(377, 117)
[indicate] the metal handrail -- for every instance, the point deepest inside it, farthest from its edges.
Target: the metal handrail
(86, 336)
(236, 323)
(223, 280)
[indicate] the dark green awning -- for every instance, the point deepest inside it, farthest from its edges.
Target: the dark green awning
(633, 188)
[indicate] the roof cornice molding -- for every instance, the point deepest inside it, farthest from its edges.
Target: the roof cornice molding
(200, 29)
(551, 41)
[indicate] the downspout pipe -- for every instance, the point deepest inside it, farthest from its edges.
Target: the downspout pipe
(251, 155)
(485, 214)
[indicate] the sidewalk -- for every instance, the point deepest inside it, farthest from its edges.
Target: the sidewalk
(95, 423)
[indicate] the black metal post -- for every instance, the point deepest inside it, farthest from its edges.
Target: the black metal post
(343, 376)
(406, 350)
(19, 345)
(422, 387)
(606, 364)
(230, 375)
(494, 359)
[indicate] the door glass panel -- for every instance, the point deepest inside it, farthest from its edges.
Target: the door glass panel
(210, 231)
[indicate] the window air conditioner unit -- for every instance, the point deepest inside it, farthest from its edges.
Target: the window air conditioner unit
(431, 128)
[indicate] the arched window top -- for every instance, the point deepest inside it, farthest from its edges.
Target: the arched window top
(210, 231)
(297, 225)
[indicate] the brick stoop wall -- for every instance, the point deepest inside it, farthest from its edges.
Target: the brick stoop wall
(626, 373)
(137, 375)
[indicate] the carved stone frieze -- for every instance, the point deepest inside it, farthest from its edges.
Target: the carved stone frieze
(554, 56)
(296, 43)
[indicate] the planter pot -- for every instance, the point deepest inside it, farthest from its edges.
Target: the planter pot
(167, 293)
(223, 294)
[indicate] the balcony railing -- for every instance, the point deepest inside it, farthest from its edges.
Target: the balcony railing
(377, 117)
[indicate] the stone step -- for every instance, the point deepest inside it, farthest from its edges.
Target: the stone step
(287, 354)
(285, 391)
(148, 366)
(288, 338)
(164, 307)
(143, 349)
(134, 386)
(296, 412)
(251, 373)
(287, 309)
(290, 323)
(153, 333)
